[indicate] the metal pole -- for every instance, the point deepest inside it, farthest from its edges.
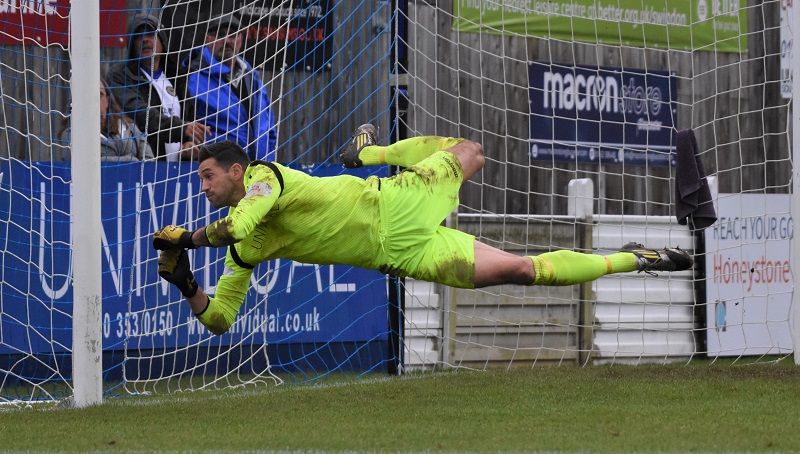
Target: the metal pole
(87, 345)
(398, 98)
(794, 25)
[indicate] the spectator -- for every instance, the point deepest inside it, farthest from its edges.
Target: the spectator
(228, 93)
(150, 98)
(120, 139)
(185, 23)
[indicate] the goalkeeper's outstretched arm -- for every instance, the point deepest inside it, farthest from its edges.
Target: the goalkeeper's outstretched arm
(246, 213)
(174, 237)
(218, 313)
(199, 301)
(215, 313)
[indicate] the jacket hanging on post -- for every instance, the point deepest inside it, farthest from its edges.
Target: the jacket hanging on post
(693, 203)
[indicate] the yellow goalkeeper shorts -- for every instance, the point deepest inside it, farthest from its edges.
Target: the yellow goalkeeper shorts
(413, 205)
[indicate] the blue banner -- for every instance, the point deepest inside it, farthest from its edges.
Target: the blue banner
(601, 115)
(306, 303)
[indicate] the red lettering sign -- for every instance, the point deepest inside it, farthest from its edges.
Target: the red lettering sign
(46, 22)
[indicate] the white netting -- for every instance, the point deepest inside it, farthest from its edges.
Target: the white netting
(577, 104)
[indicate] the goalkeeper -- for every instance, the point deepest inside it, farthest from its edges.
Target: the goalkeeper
(389, 224)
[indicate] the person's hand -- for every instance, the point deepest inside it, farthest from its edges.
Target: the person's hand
(189, 151)
(173, 266)
(173, 237)
(197, 132)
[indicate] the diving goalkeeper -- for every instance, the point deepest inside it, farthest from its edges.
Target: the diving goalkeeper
(389, 224)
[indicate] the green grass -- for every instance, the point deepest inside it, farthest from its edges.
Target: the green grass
(676, 408)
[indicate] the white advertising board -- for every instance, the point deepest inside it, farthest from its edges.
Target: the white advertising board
(749, 278)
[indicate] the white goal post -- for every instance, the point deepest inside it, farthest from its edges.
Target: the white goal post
(793, 17)
(87, 337)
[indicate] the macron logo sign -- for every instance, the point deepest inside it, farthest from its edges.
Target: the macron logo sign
(594, 92)
(569, 92)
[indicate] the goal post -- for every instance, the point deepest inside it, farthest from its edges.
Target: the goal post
(793, 25)
(87, 338)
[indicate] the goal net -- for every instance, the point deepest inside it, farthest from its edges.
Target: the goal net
(307, 74)
(586, 111)
(578, 105)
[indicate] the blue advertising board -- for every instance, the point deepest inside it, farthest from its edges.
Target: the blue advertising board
(288, 302)
(601, 115)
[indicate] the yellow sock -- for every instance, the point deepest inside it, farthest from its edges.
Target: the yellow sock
(570, 267)
(543, 269)
(373, 156)
(407, 152)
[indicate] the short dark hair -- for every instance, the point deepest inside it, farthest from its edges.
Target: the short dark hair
(227, 153)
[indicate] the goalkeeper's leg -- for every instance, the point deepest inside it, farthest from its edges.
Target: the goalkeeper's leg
(494, 266)
(406, 152)
(364, 150)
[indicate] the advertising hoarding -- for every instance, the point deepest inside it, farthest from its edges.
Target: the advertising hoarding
(706, 25)
(749, 278)
(288, 302)
(601, 115)
(46, 22)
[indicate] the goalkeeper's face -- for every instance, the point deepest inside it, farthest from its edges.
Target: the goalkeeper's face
(221, 187)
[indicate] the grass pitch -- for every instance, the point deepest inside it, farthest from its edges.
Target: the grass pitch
(653, 408)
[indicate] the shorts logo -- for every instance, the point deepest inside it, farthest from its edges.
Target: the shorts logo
(259, 188)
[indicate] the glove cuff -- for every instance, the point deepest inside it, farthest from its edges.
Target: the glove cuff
(189, 288)
(186, 241)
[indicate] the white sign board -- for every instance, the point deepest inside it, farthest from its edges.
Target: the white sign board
(749, 278)
(787, 14)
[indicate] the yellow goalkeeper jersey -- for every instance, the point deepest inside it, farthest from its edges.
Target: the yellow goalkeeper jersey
(289, 214)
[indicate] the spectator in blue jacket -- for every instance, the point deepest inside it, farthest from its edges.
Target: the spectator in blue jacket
(228, 93)
(156, 103)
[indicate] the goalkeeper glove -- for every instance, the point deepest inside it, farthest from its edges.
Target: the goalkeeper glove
(173, 266)
(173, 237)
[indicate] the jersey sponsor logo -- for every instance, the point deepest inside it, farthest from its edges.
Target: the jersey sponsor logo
(259, 188)
(452, 165)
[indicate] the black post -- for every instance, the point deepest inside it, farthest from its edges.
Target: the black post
(396, 326)
(699, 284)
(398, 101)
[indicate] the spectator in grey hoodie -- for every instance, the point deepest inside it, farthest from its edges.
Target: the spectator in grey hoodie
(156, 103)
(120, 139)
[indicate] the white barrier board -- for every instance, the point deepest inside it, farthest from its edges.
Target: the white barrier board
(749, 278)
